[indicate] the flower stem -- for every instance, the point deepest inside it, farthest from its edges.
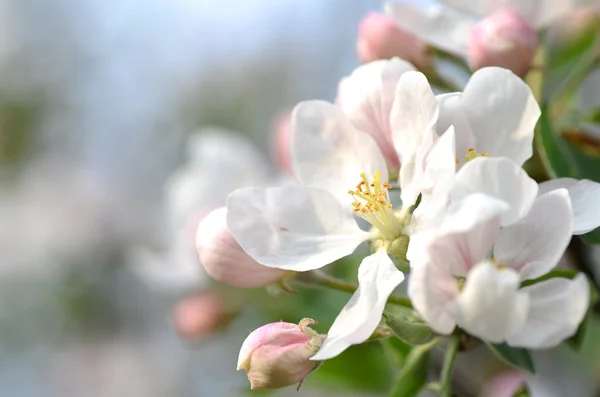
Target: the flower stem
(318, 278)
(451, 350)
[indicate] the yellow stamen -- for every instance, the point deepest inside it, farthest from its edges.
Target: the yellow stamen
(372, 203)
(472, 154)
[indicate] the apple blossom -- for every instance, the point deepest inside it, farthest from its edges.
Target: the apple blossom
(445, 24)
(503, 39)
(277, 355)
(342, 174)
(380, 38)
(455, 282)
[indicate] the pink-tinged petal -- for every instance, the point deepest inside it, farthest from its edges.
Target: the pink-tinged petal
(292, 227)
(441, 26)
(500, 178)
(366, 97)
(377, 279)
(223, 258)
(490, 306)
(585, 199)
(432, 289)
(413, 117)
(329, 153)
(502, 113)
(557, 307)
(534, 245)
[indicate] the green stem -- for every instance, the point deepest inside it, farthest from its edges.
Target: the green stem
(319, 278)
(445, 379)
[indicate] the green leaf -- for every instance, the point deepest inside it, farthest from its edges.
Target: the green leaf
(556, 273)
(563, 159)
(515, 357)
(409, 327)
(413, 375)
(360, 368)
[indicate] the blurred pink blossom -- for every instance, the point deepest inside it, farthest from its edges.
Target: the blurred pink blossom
(379, 37)
(503, 39)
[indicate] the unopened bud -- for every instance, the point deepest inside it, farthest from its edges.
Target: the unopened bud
(198, 316)
(281, 132)
(379, 37)
(503, 39)
(277, 355)
(506, 384)
(224, 259)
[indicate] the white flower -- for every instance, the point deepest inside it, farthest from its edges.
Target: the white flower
(446, 23)
(342, 173)
(457, 282)
(217, 162)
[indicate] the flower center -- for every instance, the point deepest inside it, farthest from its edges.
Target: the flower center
(472, 154)
(372, 203)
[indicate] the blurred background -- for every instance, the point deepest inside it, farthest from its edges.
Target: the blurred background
(98, 102)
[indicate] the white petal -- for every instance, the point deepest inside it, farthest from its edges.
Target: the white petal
(452, 114)
(534, 245)
(502, 113)
(467, 233)
(432, 290)
(500, 178)
(438, 178)
(490, 306)
(366, 97)
(441, 26)
(377, 279)
(557, 307)
(292, 227)
(413, 117)
(329, 153)
(585, 199)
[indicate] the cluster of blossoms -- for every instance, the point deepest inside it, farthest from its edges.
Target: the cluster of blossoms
(477, 230)
(433, 184)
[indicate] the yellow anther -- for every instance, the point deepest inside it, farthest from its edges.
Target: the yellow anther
(472, 154)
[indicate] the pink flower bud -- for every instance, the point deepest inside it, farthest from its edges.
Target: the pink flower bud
(197, 316)
(224, 259)
(281, 131)
(278, 354)
(379, 37)
(505, 384)
(503, 39)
